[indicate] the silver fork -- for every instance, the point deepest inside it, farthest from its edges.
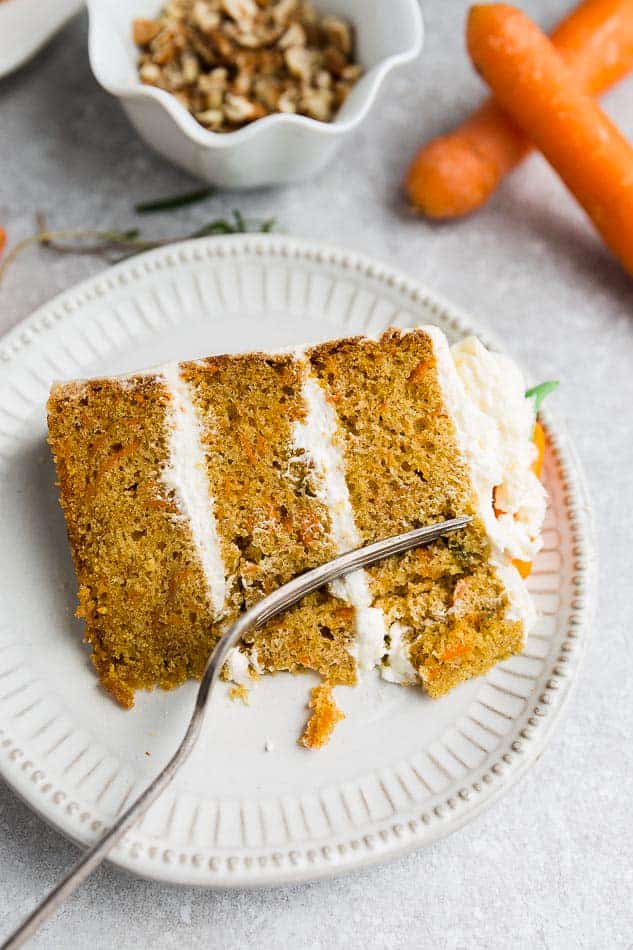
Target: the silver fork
(256, 616)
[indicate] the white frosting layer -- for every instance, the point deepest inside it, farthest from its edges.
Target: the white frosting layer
(185, 474)
(237, 665)
(521, 606)
(499, 447)
(316, 437)
(486, 410)
(400, 669)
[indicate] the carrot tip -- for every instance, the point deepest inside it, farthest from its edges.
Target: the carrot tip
(448, 178)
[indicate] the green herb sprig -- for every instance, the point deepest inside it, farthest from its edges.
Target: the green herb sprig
(124, 244)
(538, 393)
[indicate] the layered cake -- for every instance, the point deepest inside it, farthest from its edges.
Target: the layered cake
(192, 490)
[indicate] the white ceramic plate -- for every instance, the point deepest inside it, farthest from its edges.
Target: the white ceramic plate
(26, 25)
(402, 770)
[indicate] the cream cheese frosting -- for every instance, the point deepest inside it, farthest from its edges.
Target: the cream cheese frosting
(500, 435)
(398, 667)
(238, 667)
(485, 396)
(185, 475)
(317, 437)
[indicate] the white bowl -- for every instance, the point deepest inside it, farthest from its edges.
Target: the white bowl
(26, 25)
(273, 150)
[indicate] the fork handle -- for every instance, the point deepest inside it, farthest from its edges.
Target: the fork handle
(91, 860)
(275, 603)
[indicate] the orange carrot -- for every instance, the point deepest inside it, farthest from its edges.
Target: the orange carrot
(538, 437)
(451, 654)
(523, 567)
(533, 85)
(3, 240)
(456, 173)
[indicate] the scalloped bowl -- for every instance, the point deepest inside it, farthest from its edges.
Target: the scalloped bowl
(271, 151)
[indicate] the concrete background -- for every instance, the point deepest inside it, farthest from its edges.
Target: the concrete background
(549, 866)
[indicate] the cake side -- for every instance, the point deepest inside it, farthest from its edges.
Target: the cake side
(142, 591)
(447, 604)
(272, 520)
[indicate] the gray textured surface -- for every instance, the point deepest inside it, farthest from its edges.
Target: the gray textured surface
(549, 865)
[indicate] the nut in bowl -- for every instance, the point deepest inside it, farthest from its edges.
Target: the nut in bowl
(276, 144)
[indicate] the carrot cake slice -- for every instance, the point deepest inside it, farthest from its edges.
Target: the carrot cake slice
(194, 489)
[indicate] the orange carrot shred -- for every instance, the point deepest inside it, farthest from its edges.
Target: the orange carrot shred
(455, 652)
(538, 437)
(523, 567)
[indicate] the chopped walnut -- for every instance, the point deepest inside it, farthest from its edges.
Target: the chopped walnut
(283, 10)
(144, 31)
(211, 118)
(204, 18)
(239, 109)
(240, 10)
(230, 62)
(190, 68)
(323, 79)
(268, 91)
(300, 63)
(150, 73)
(295, 35)
(287, 101)
(212, 87)
(338, 34)
(317, 103)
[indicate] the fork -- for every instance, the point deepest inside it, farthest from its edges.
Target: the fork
(256, 616)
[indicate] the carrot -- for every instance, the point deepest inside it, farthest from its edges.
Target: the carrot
(538, 437)
(3, 240)
(533, 85)
(523, 567)
(452, 653)
(456, 173)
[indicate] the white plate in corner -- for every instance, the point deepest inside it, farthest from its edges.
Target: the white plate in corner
(26, 25)
(401, 770)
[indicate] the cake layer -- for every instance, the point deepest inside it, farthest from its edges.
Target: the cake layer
(405, 469)
(272, 523)
(143, 593)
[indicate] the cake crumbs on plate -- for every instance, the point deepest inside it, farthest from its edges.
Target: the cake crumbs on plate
(323, 719)
(240, 692)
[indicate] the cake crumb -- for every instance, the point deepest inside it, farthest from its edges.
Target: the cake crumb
(240, 692)
(324, 718)
(269, 745)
